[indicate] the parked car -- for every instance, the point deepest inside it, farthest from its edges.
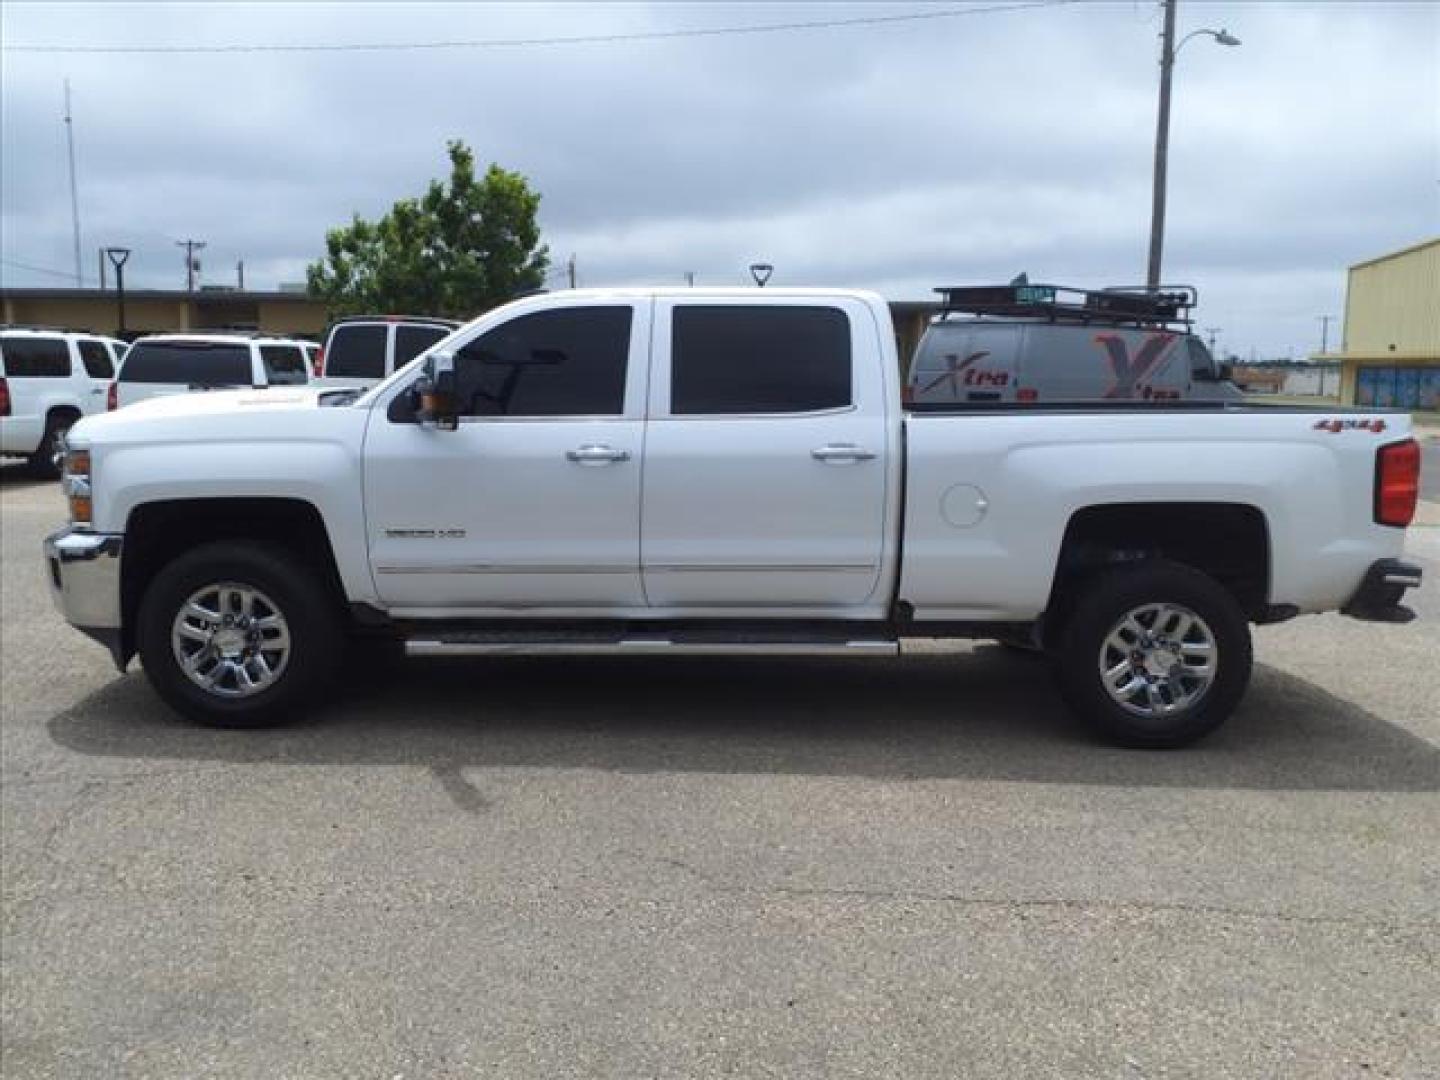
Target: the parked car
(1028, 343)
(361, 350)
(673, 471)
(163, 364)
(49, 378)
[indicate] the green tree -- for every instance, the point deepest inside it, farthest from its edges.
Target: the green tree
(457, 250)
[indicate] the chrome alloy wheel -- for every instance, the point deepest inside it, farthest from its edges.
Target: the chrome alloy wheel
(1158, 659)
(231, 640)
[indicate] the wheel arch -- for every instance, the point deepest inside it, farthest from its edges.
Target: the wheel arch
(1229, 541)
(158, 532)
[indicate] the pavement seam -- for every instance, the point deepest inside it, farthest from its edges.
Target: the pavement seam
(1144, 907)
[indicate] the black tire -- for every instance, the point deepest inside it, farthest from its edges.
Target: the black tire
(43, 464)
(313, 619)
(1102, 603)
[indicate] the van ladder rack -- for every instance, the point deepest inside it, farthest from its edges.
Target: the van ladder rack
(1165, 306)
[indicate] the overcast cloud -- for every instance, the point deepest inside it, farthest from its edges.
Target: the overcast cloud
(894, 157)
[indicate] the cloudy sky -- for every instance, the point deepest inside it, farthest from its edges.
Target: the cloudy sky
(896, 156)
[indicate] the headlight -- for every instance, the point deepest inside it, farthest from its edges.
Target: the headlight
(76, 481)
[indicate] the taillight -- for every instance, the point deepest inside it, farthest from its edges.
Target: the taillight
(4, 397)
(319, 363)
(112, 397)
(1397, 482)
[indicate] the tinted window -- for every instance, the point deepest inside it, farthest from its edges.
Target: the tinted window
(96, 359)
(357, 352)
(567, 362)
(411, 341)
(36, 358)
(284, 364)
(759, 359)
(189, 362)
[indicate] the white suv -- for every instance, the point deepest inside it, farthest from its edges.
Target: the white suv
(176, 363)
(48, 380)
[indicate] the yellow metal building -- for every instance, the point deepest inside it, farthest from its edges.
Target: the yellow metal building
(1390, 354)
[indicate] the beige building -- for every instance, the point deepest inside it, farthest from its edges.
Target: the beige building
(155, 310)
(1390, 354)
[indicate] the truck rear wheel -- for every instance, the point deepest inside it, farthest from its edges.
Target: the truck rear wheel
(238, 635)
(1154, 655)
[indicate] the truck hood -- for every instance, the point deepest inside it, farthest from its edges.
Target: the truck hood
(227, 413)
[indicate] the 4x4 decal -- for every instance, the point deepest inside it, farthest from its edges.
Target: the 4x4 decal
(1127, 371)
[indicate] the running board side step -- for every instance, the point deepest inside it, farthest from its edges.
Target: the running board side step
(647, 646)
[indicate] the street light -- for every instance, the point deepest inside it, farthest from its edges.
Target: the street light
(118, 257)
(1168, 51)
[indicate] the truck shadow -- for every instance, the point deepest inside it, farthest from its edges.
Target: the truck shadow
(982, 715)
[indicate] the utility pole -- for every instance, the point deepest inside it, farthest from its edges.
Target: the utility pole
(240, 275)
(690, 278)
(570, 269)
(190, 246)
(1213, 332)
(1162, 147)
(74, 192)
(1324, 321)
(101, 260)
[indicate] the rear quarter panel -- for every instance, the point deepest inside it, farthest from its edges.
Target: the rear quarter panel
(1034, 471)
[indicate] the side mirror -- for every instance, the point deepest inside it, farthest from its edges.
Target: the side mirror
(436, 405)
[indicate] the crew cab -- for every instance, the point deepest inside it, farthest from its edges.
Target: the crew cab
(676, 471)
(49, 378)
(163, 364)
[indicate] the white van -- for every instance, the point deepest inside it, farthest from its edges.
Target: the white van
(179, 363)
(1027, 344)
(48, 380)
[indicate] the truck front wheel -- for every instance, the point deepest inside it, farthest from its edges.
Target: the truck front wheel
(238, 635)
(1154, 655)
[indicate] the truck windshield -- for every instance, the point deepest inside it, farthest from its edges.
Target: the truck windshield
(194, 363)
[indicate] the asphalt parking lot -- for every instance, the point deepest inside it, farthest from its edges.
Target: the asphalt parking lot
(874, 868)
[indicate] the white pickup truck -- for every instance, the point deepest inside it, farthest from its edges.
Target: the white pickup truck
(658, 471)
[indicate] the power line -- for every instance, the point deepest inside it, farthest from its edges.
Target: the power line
(68, 275)
(583, 39)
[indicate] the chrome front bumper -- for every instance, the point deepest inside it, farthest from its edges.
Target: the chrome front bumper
(84, 572)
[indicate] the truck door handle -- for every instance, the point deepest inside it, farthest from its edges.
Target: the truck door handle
(595, 454)
(842, 453)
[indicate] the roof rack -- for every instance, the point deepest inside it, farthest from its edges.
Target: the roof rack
(429, 320)
(44, 328)
(1163, 306)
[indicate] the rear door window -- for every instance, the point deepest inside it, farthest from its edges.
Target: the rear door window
(758, 359)
(357, 352)
(36, 358)
(411, 341)
(96, 359)
(193, 363)
(284, 364)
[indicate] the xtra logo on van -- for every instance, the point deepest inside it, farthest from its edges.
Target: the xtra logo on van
(1128, 371)
(960, 373)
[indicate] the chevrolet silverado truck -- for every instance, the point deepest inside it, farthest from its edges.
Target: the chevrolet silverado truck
(657, 471)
